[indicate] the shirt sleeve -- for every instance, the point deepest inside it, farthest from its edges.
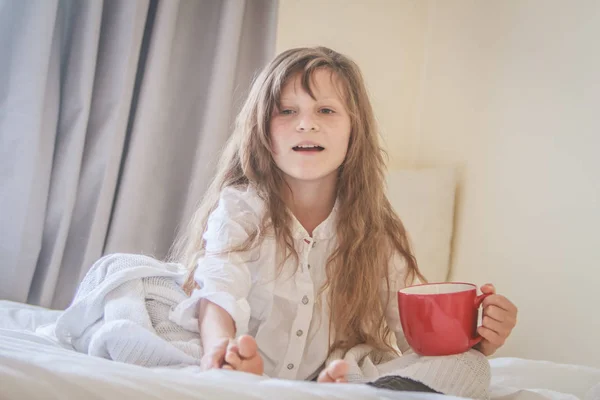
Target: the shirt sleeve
(397, 276)
(224, 277)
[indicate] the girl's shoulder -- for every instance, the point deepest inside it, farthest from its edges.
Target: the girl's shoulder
(241, 201)
(238, 215)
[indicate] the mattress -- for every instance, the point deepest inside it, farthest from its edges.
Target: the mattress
(33, 366)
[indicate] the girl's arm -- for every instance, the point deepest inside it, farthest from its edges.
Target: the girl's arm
(216, 329)
(214, 323)
(223, 275)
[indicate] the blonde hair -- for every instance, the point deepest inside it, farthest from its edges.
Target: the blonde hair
(368, 230)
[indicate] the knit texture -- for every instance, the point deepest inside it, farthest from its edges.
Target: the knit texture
(122, 312)
(463, 375)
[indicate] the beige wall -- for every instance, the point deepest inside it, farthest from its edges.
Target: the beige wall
(385, 38)
(510, 92)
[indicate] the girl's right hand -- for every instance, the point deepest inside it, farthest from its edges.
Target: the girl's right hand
(214, 355)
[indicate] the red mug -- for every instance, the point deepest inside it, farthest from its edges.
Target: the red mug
(440, 319)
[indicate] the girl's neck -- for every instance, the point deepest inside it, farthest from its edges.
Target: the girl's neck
(311, 202)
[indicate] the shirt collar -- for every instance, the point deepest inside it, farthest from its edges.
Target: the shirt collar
(325, 230)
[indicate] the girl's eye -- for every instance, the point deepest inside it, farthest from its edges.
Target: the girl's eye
(326, 111)
(287, 111)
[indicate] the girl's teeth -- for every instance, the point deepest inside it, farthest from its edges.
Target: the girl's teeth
(308, 147)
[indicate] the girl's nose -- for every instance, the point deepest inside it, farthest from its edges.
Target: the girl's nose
(307, 124)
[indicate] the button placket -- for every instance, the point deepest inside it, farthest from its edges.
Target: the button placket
(301, 324)
(306, 252)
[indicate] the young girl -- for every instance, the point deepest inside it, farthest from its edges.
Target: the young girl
(295, 251)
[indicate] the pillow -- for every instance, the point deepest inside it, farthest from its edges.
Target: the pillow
(424, 200)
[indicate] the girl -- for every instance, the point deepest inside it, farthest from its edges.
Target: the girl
(295, 250)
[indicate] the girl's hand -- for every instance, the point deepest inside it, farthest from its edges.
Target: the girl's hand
(214, 355)
(499, 319)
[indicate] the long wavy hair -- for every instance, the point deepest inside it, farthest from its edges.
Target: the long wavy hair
(369, 232)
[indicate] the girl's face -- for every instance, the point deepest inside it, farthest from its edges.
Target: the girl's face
(310, 136)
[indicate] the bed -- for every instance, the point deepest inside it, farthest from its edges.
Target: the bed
(32, 366)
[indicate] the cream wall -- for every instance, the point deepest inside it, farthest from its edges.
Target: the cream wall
(509, 92)
(385, 38)
(512, 93)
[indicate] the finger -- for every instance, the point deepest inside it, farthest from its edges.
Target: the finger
(233, 348)
(497, 313)
(498, 327)
(500, 301)
(500, 315)
(217, 361)
(491, 336)
(488, 288)
(233, 359)
(228, 367)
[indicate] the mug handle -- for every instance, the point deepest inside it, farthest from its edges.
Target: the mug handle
(478, 300)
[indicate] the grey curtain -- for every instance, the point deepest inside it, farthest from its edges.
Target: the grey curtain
(112, 115)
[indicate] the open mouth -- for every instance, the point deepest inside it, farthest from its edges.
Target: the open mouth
(308, 148)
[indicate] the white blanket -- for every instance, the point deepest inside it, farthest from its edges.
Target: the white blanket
(122, 312)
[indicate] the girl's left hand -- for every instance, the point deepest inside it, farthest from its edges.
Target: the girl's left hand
(499, 319)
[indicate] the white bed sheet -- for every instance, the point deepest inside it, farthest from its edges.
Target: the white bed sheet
(34, 367)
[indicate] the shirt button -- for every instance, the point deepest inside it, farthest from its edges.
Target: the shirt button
(305, 300)
(299, 332)
(308, 266)
(290, 366)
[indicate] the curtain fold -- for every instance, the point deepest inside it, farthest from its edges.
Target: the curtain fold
(112, 115)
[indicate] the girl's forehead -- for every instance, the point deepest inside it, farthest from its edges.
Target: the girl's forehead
(321, 83)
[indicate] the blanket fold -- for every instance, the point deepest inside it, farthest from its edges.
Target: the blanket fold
(121, 312)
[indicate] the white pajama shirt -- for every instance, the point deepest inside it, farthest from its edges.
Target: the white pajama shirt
(280, 311)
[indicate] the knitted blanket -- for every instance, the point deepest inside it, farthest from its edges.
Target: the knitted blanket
(122, 311)
(463, 375)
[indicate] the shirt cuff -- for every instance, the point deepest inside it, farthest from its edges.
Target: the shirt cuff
(186, 312)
